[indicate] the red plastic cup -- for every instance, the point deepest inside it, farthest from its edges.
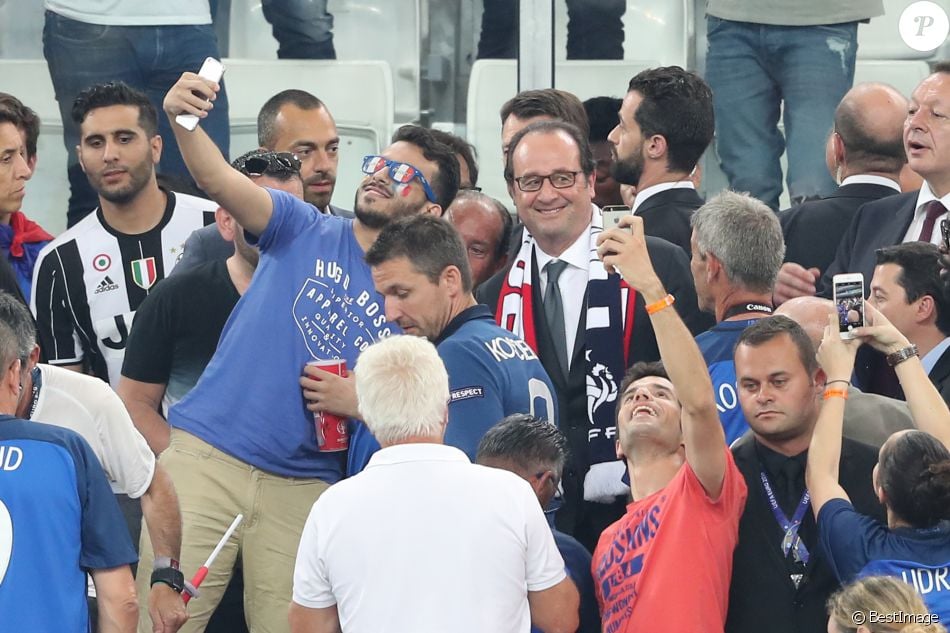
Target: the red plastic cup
(331, 429)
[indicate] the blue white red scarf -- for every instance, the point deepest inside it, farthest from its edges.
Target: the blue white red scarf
(610, 315)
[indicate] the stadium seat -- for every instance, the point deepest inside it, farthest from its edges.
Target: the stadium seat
(659, 32)
(902, 74)
(48, 190)
(880, 38)
(21, 25)
(493, 82)
(362, 30)
(355, 143)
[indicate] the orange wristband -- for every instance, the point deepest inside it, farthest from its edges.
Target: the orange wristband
(835, 393)
(665, 302)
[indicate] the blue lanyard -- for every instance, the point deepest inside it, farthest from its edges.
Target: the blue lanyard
(791, 541)
(37, 380)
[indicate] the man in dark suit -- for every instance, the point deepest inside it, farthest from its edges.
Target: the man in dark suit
(907, 217)
(550, 173)
(779, 573)
(666, 123)
(292, 121)
(865, 153)
(908, 291)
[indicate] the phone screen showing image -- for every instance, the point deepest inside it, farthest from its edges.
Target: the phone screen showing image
(849, 300)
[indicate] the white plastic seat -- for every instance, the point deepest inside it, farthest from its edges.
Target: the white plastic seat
(493, 82)
(21, 28)
(880, 38)
(357, 93)
(355, 143)
(655, 31)
(902, 74)
(47, 193)
(386, 30)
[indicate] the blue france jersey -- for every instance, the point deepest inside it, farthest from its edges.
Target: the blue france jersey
(717, 345)
(58, 517)
(312, 297)
(492, 374)
(858, 546)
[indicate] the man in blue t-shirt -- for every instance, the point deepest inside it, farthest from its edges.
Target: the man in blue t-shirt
(536, 451)
(737, 250)
(420, 267)
(58, 520)
(243, 439)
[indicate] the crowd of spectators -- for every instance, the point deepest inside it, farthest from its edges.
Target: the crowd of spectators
(538, 422)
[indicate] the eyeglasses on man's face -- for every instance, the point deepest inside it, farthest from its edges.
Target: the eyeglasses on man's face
(403, 173)
(558, 180)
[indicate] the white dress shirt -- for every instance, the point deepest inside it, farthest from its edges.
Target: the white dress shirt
(652, 190)
(925, 196)
(868, 179)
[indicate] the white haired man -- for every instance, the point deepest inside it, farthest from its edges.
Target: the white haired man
(405, 508)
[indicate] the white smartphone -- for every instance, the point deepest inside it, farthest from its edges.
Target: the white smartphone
(211, 69)
(849, 302)
(612, 214)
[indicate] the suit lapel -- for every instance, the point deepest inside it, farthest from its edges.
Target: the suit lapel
(941, 370)
(901, 220)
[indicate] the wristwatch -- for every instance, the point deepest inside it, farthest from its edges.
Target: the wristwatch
(166, 570)
(904, 353)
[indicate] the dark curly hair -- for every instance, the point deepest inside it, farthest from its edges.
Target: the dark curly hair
(914, 472)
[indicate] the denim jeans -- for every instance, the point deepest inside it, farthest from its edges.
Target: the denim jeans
(753, 69)
(594, 29)
(303, 28)
(150, 58)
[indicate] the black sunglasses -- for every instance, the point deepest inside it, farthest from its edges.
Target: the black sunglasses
(279, 164)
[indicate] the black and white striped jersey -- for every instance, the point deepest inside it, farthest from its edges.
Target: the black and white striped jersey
(89, 281)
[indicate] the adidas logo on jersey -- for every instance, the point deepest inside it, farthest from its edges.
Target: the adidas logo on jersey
(106, 285)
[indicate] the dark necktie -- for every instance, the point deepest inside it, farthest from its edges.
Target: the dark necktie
(554, 311)
(791, 491)
(934, 210)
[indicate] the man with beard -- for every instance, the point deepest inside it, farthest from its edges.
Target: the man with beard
(89, 282)
(666, 123)
(312, 298)
(299, 123)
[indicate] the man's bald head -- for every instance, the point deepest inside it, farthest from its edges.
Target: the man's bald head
(870, 123)
(811, 313)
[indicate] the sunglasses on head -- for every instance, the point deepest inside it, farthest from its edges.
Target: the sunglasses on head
(278, 164)
(403, 173)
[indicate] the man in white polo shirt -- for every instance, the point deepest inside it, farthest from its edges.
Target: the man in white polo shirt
(466, 547)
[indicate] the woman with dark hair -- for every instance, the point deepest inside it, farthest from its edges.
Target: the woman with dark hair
(912, 478)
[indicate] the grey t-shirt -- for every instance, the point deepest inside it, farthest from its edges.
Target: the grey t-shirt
(798, 13)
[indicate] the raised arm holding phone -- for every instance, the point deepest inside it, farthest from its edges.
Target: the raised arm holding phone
(684, 482)
(250, 205)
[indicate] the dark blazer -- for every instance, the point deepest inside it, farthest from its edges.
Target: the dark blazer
(813, 229)
(585, 521)
(940, 376)
(666, 215)
(761, 590)
(876, 224)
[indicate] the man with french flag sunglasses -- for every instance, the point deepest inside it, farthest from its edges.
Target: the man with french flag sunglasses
(312, 298)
